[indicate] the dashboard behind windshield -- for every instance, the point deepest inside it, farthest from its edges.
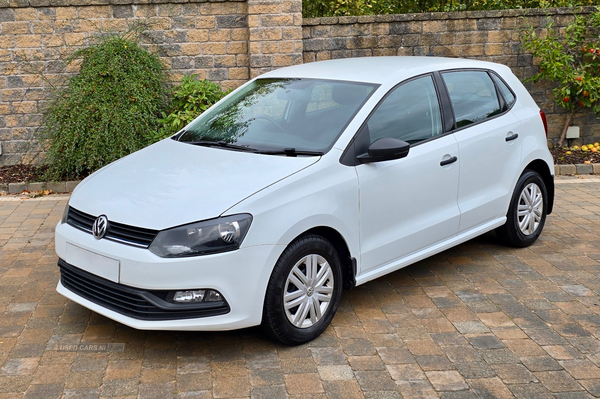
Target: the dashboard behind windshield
(287, 115)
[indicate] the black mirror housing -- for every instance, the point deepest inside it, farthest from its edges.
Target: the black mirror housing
(385, 149)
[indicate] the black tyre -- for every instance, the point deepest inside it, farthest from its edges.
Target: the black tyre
(304, 291)
(527, 212)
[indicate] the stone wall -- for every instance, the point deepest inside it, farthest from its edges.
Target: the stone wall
(231, 41)
(486, 35)
(224, 41)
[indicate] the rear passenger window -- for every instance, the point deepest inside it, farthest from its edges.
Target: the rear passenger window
(509, 97)
(473, 96)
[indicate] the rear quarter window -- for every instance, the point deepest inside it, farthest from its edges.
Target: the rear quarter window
(508, 95)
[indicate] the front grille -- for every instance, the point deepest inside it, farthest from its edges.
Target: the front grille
(133, 302)
(130, 235)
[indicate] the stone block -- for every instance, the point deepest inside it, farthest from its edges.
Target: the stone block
(124, 11)
(192, 49)
(239, 34)
(584, 169)
(434, 26)
(488, 24)
(16, 188)
(170, 10)
(471, 50)
(494, 49)
(93, 12)
(257, 61)
(237, 48)
(276, 20)
(238, 73)
(219, 35)
(269, 47)
(280, 60)
(70, 185)
(214, 48)
(56, 186)
(568, 169)
(7, 14)
(16, 28)
(25, 14)
(198, 35)
(257, 34)
(596, 168)
(37, 186)
(499, 36)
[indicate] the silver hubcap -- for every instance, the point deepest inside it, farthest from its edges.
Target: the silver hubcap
(308, 291)
(531, 207)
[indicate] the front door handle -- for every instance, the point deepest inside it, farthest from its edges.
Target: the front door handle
(449, 161)
(511, 137)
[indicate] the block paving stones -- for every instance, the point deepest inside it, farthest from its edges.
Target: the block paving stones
(479, 320)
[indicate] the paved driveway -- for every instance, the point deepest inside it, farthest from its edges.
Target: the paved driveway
(479, 320)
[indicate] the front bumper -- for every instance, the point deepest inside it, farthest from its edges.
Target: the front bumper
(240, 276)
(133, 302)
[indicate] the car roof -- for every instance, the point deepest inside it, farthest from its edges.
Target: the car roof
(380, 70)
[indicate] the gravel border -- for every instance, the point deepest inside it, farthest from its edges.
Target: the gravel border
(69, 186)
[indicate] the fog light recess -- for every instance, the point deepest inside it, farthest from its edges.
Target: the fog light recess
(196, 296)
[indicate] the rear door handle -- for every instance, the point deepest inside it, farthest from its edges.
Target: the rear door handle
(511, 137)
(449, 161)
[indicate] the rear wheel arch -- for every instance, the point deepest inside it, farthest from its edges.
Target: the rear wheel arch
(542, 169)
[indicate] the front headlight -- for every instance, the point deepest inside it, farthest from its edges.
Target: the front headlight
(202, 238)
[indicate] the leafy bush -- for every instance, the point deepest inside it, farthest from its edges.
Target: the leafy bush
(572, 61)
(106, 111)
(330, 8)
(191, 98)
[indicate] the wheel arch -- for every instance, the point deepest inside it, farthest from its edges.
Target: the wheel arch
(542, 169)
(340, 245)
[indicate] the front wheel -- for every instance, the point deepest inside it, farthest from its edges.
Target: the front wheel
(527, 212)
(303, 292)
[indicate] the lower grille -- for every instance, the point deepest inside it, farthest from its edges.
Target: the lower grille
(133, 302)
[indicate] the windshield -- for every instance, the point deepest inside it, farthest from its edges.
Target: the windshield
(291, 116)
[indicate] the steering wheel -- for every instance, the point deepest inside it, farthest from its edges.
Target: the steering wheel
(271, 120)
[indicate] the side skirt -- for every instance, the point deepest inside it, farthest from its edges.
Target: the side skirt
(429, 251)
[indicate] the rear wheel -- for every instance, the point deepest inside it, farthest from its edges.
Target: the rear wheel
(527, 212)
(303, 292)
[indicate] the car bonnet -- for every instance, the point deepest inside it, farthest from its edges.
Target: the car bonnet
(171, 183)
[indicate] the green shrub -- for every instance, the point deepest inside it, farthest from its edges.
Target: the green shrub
(106, 111)
(330, 8)
(191, 98)
(570, 58)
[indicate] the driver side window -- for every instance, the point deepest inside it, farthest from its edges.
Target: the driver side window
(410, 112)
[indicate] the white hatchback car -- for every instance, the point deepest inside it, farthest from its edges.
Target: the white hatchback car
(302, 182)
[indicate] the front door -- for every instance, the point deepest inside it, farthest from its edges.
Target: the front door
(408, 204)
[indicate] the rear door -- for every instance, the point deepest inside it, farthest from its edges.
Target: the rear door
(489, 145)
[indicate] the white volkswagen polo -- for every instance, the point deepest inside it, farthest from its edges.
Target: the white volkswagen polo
(305, 181)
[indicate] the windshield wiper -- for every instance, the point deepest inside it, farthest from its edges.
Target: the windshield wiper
(291, 152)
(222, 144)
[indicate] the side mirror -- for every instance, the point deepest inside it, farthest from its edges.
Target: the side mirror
(385, 149)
